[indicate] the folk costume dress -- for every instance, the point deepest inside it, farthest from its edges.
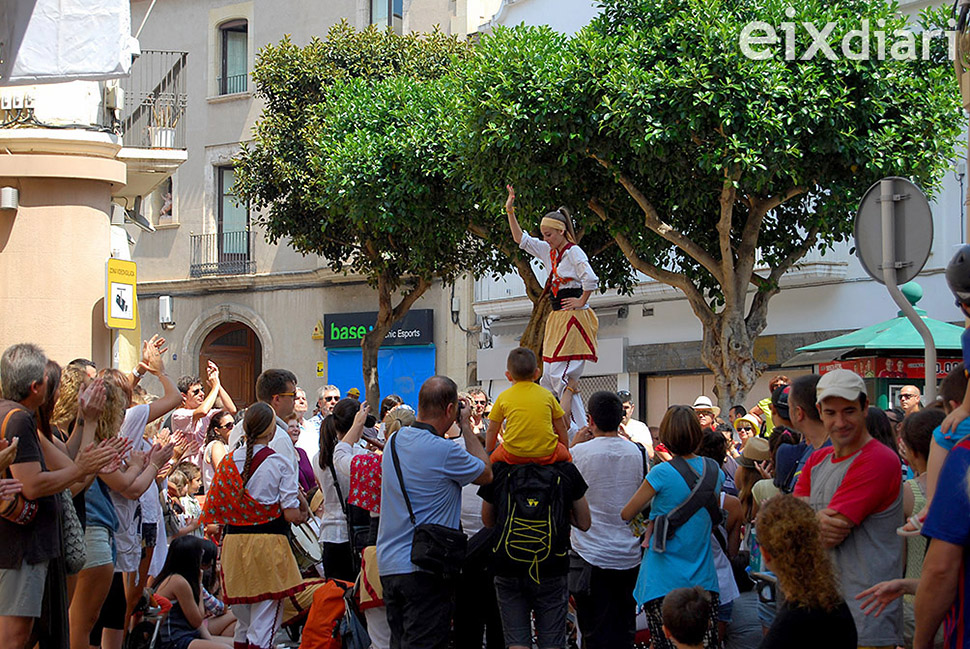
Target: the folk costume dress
(570, 338)
(259, 570)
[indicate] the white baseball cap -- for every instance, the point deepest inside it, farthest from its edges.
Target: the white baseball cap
(840, 383)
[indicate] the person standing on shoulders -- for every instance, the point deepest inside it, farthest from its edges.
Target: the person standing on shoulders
(570, 335)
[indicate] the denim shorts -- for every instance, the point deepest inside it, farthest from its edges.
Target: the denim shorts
(99, 546)
(520, 597)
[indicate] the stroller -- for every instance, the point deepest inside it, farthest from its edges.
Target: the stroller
(147, 618)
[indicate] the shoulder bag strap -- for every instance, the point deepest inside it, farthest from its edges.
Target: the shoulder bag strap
(336, 485)
(3, 433)
(643, 455)
(400, 478)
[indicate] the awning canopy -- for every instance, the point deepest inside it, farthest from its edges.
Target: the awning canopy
(896, 335)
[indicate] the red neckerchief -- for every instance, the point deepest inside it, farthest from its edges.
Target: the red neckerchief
(555, 256)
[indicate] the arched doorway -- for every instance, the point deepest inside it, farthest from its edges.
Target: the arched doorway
(236, 349)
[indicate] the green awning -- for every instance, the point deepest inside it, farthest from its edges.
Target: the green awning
(897, 334)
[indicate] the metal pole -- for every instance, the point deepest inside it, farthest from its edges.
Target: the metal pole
(887, 199)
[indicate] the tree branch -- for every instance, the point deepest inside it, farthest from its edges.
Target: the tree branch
(409, 299)
(728, 193)
(758, 208)
(653, 221)
(533, 289)
(757, 318)
(676, 280)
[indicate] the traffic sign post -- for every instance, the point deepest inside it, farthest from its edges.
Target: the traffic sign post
(120, 299)
(893, 238)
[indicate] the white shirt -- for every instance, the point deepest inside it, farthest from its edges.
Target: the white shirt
(573, 268)
(613, 469)
(639, 432)
(471, 503)
(309, 439)
(281, 442)
(133, 428)
(273, 481)
(333, 522)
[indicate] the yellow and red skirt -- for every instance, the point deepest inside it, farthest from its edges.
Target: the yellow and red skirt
(258, 567)
(570, 336)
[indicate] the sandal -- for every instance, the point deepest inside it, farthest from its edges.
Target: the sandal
(917, 527)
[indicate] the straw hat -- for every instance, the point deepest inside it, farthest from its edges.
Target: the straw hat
(704, 403)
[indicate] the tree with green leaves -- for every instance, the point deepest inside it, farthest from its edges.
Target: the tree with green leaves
(713, 171)
(349, 161)
(354, 159)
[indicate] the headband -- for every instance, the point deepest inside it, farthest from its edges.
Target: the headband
(555, 224)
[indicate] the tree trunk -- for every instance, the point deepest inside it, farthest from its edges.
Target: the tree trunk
(535, 330)
(728, 351)
(387, 315)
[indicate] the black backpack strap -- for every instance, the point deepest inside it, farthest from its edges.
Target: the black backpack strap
(643, 454)
(400, 478)
(702, 494)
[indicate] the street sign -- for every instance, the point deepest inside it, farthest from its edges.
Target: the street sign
(893, 238)
(912, 234)
(120, 298)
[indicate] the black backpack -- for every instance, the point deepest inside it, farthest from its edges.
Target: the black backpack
(534, 527)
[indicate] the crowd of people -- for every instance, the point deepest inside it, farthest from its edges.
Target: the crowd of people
(815, 519)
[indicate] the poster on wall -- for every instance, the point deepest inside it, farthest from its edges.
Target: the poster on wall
(889, 368)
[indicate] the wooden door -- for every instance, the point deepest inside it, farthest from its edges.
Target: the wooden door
(236, 349)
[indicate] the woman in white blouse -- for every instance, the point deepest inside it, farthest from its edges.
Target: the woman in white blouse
(570, 338)
(339, 433)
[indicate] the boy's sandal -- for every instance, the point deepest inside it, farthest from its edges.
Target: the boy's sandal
(915, 522)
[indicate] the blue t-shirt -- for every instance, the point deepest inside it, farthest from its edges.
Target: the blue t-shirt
(688, 560)
(949, 521)
(100, 510)
(434, 471)
(950, 440)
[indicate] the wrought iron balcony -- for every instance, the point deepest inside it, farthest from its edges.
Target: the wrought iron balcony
(155, 100)
(225, 253)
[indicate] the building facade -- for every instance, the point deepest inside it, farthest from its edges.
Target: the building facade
(234, 297)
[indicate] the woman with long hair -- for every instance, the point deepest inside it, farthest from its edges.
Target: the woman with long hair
(255, 495)
(687, 560)
(113, 535)
(339, 434)
(570, 335)
(814, 613)
(215, 447)
(181, 583)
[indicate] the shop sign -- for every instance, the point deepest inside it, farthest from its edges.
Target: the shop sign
(348, 329)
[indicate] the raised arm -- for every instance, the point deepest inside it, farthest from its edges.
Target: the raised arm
(510, 211)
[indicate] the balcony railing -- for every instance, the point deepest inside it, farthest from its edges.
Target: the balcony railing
(227, 253)
(155, 100)
(233, 83)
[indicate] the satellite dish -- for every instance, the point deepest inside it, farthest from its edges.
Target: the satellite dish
(912, 236)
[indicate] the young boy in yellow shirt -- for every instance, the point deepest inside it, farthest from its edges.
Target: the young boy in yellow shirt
(535, 432)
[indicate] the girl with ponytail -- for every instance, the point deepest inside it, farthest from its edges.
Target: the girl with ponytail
(570, 337)
(255, 496)
(339, 434)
